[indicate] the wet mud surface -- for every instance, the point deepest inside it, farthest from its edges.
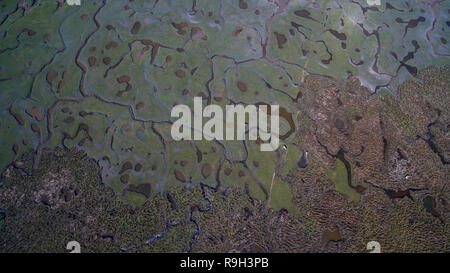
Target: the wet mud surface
(363, 95)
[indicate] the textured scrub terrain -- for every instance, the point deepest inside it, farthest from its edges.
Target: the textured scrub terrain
(86, 94)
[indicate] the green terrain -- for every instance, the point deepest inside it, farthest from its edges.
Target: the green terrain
(87, 154)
